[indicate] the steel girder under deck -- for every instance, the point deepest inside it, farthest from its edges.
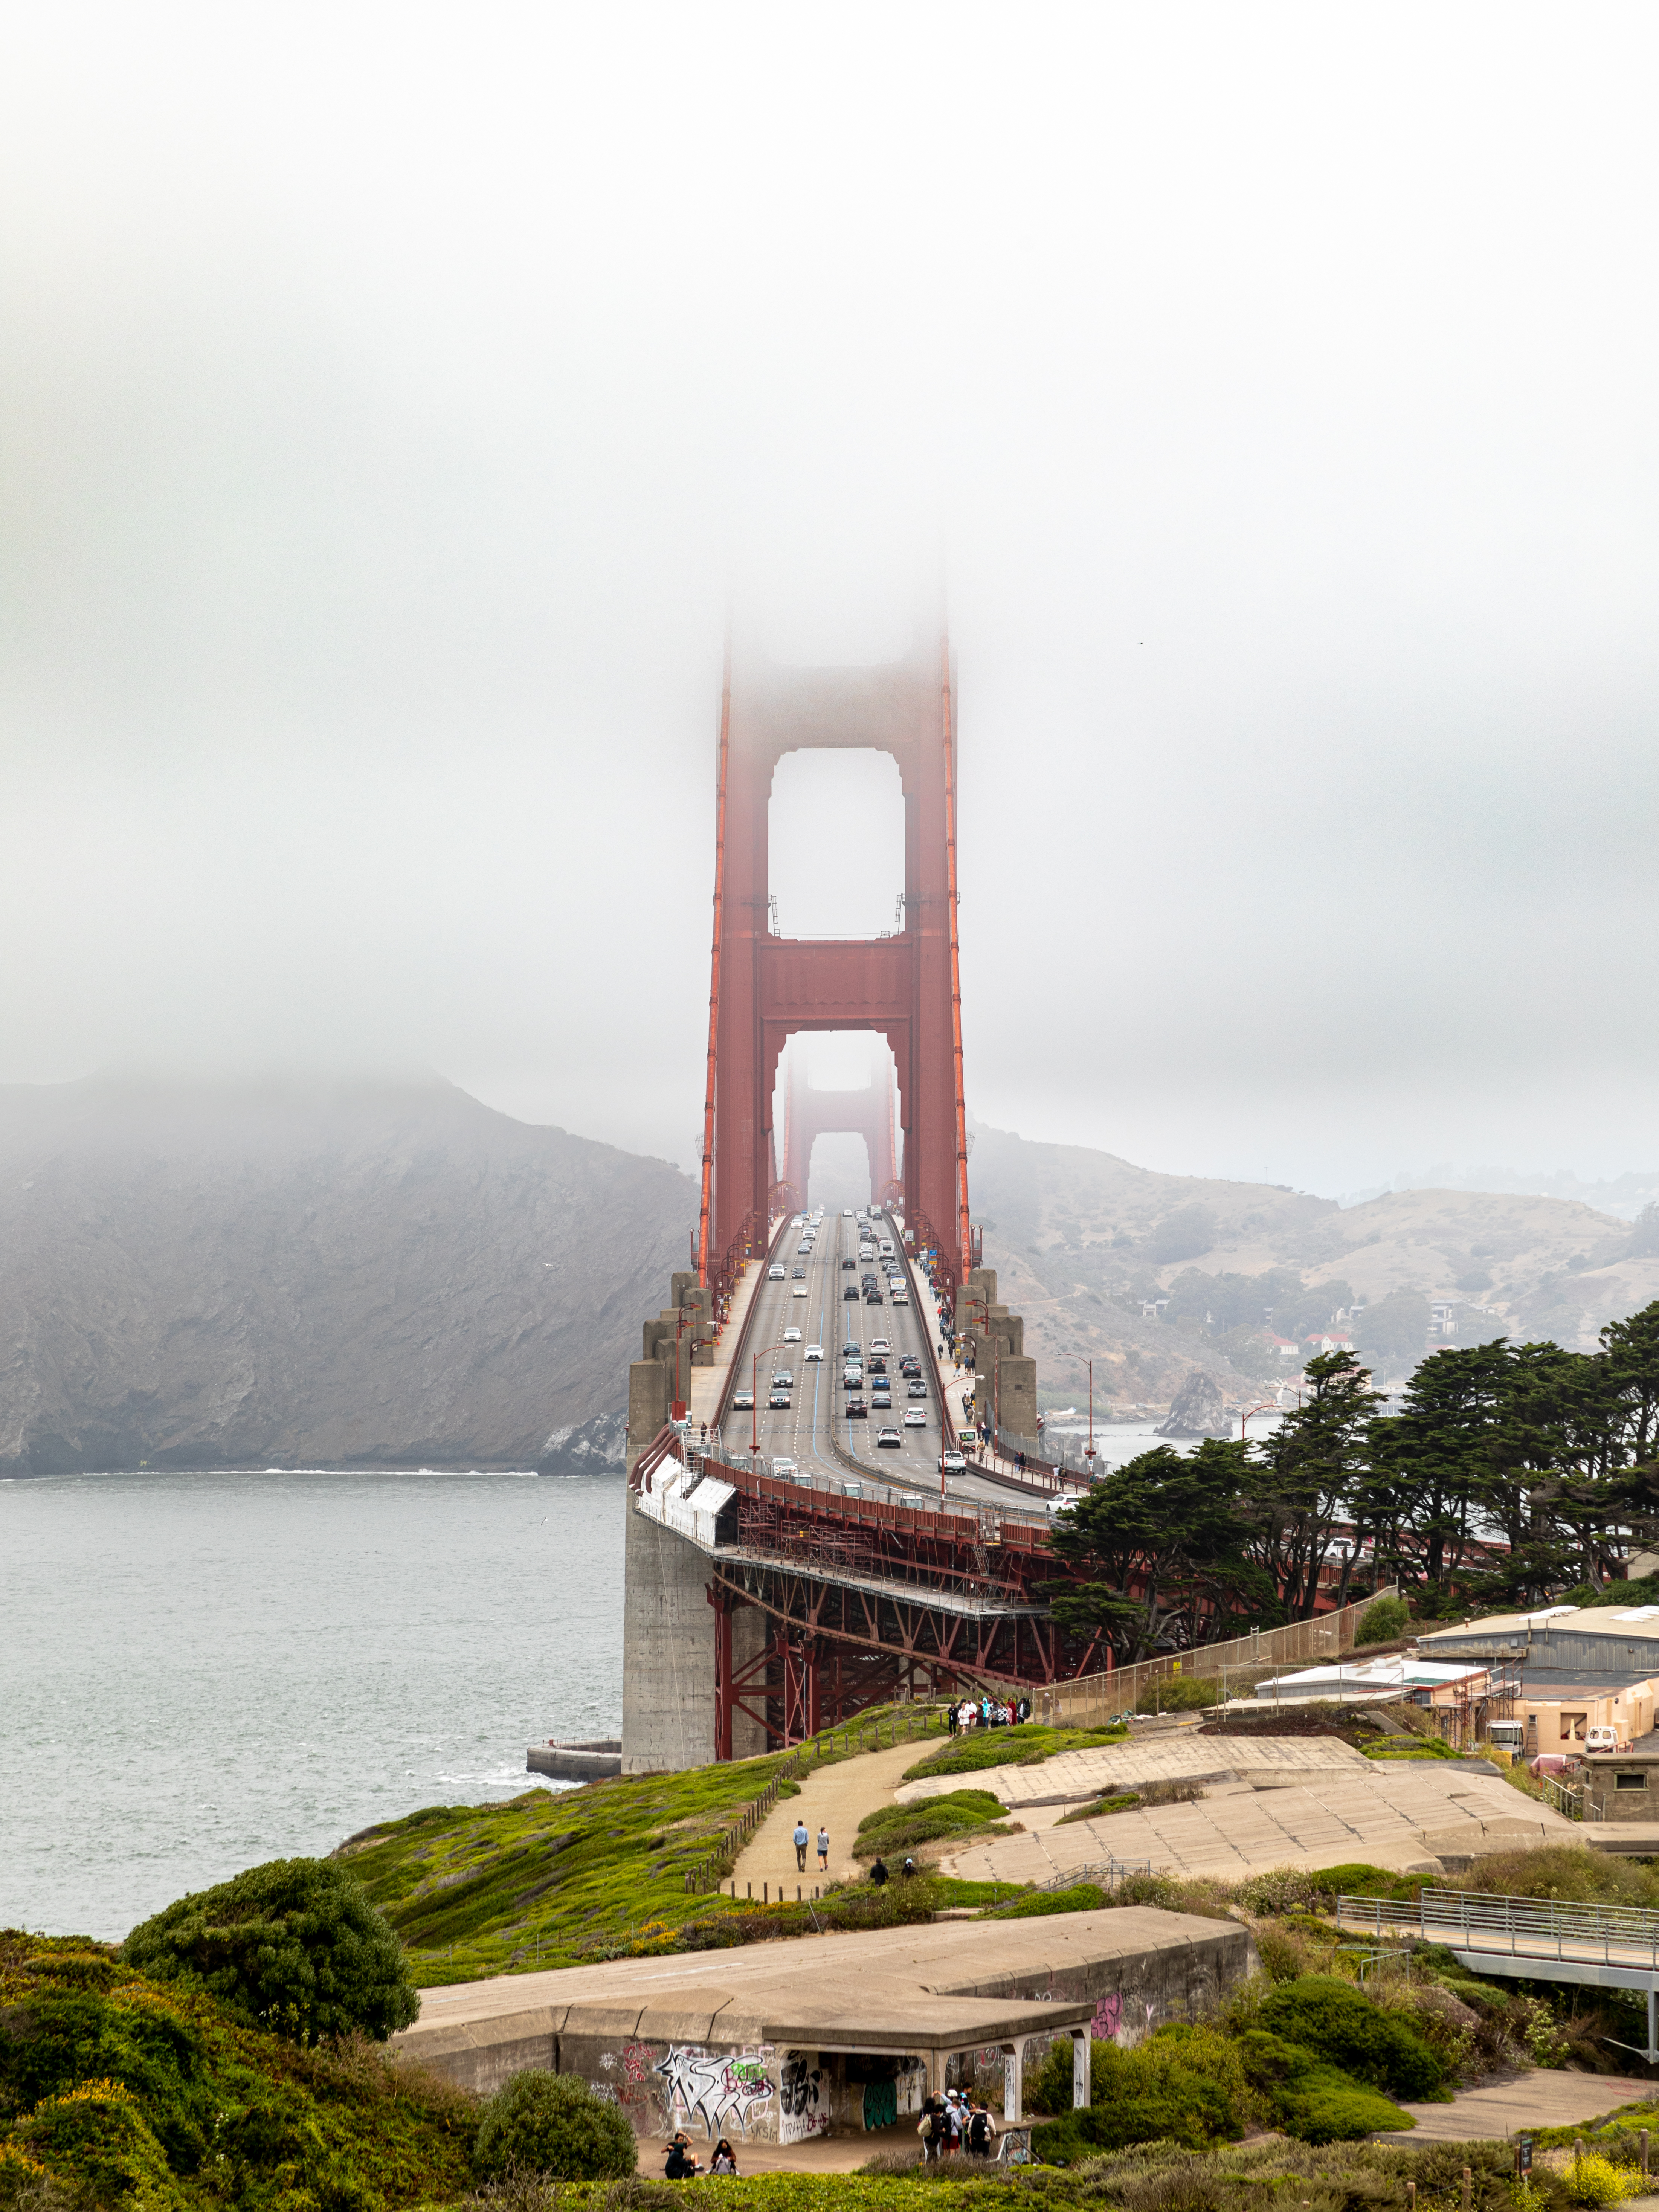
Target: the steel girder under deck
(834, 1648)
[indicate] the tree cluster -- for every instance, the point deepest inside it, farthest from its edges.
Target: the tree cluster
(1510, 1472)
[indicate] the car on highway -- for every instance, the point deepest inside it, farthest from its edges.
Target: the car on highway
(915, 1388)
(848, 1265)
(952, 1463)
(742, 1402)
(792, 1336)
(800, 1290)
(879, 1344)
(914, 1418)
(889, 1437)
(909, 1363)
(901, 1296)
(867, 1251)
(847, 1213)
(796, 1219)
(774, 1272)
(882, 1401)
(878, 1363)
(857, 1410)
(797, 1274)
(873, 1297)
(851, 1291)
(784, 1379)
(779, 1401)
(812, 1351)
(785, 1470)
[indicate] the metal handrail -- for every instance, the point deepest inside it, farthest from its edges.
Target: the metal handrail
(1489, 1921)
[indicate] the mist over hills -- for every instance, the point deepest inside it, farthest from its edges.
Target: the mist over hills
(366, 1275)
(394, 1275)
(1083, 1240)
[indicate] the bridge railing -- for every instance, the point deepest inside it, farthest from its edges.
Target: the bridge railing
(1093, 1699)
(1478, 1920)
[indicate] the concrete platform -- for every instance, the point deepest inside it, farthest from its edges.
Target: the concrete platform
(745, 2042)
(1535, 2097)
(1408, 1818)
(1629, 1838)
(1074, 1777)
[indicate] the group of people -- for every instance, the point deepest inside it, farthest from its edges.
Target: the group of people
(956, 2122)
(681, 2166)
(986, 1712)
(802, 1839)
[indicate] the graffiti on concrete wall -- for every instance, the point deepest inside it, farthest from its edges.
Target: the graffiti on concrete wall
(1108, 2018)
(803, 2098)
(723, 2092)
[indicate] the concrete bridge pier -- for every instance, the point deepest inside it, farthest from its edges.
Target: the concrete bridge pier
(670, 1629)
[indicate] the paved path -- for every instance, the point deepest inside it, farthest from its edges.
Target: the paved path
(1538, 2097)
(838, 1797)
(823, 2155)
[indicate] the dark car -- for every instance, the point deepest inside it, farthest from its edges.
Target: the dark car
(873, 1297)
(916, 1388)
(877, 1363)
(851, 1291)
(909, 1364)
(847, 1264)
(857, 1410)
(797, 1274)
(881, 1402)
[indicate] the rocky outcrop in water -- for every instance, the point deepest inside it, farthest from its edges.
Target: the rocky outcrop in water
(1197, 1410)
(386, 1275)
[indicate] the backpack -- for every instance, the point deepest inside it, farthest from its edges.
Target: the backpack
(924, 2126)
(979, 2130)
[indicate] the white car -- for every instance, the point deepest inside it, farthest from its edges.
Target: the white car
(792, 1336)
(914, 1418)
(795, 1220)
(785, 1470)
(812, 1351)
(879, 1344)
(775, 1273)
(847, 1213)
(800, 1290)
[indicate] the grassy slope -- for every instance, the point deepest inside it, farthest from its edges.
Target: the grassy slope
(552, 1879)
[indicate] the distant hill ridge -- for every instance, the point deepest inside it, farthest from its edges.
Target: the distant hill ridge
(313, 1275)
(1082, 1239)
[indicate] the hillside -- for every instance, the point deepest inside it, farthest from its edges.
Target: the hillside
(309, 1276)
(1083, 1240)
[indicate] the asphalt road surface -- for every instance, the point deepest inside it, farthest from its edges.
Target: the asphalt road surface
(817, 1398)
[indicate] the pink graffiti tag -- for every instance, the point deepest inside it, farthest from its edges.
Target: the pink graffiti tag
(1108, 2018)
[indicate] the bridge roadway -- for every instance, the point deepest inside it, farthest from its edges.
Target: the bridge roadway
(815, 1416)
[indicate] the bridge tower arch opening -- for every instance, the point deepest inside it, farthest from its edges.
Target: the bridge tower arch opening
(903, 984)
(833, 1106)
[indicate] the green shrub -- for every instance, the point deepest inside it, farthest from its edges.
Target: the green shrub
(1594, 2179)
(1183, 2085)
(294, 1946)
(1331, 2019)
(1179, 1693)
(96, 2137)
(1385, 1620)
(1315, 2101)
(1037, 1903)
(553, 2124)
(902, 1827)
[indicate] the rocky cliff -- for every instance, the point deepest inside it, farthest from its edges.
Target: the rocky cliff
(391, 1276)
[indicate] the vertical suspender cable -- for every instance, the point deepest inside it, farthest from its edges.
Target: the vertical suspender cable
(964, 1230)
(714, 974)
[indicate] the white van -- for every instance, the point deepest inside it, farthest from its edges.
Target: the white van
(886, 1248)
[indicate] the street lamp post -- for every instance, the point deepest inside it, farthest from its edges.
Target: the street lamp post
(1089, 1448)
(1244, 1420)
(754, 1409)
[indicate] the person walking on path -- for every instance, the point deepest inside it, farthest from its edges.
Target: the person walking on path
(801, 1841)
(981, 2130)
(824, 1850)
(878, 1874)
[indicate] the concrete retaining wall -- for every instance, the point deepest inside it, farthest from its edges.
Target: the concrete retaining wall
(668, 1654)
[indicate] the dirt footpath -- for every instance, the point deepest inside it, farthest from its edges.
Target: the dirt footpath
(1540, 2097)
(836, 1797)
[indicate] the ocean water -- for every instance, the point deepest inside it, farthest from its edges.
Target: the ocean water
(198, 1672)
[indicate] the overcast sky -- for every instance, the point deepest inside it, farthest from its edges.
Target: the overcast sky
(392, 398)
